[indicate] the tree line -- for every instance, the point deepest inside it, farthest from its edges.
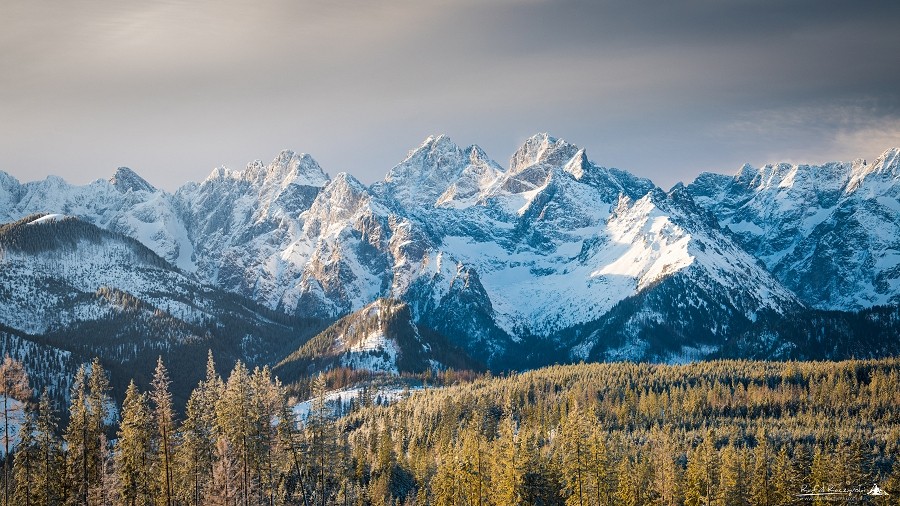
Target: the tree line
(236, 445)
(713, 433)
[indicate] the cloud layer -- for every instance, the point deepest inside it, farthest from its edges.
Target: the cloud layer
(664, 89)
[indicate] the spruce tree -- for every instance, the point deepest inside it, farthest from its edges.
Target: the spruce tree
(48, 481)
(79, 440)
(232, 414)
(163, 418)
(99, 403)
(134, 453)
(25, 465)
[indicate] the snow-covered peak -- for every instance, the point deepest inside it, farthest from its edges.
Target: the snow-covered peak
(887, 166)
(476, 178)
(288, 168)
(578, 164)
(542, 148)
(431, 170)
(338, 201)
(437, 157)
(223, 173)
(126, 180)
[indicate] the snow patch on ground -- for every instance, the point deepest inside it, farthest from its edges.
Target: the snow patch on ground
(338, 402)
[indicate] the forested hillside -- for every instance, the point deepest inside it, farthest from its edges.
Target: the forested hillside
(723, 432)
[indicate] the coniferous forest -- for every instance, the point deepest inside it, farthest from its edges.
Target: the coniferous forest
(718, 433)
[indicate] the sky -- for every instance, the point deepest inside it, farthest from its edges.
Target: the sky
(663, 89)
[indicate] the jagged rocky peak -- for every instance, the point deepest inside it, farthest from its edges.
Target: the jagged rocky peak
(542, 148)
(477, 156)
(578, 164)
(475, 178)
(344, 195)
(126, 180)
(426, 172)
(887, 166)
(437, 157)
(288, 168)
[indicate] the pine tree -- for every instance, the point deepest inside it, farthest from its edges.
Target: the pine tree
(267, 453)
(195, 456)
(289, 439)
(134, 453)
(88, 414)
(163, 417)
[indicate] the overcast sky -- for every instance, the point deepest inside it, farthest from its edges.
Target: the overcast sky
(664, 89)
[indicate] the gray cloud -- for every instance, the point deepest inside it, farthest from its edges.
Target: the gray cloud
(664, 89)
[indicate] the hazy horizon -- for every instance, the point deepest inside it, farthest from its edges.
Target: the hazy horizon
(504, 163)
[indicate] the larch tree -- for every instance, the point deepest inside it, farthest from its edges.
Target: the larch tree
(667, 478)
(509, 465)
(322, 439)
(13, 387)
(733, 487)
(761, 480)
(576, 457)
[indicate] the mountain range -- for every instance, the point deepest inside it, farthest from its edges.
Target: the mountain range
(455, 261)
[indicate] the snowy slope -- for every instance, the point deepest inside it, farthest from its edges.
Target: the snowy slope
(69, 289)
(381, 337)
(557, 241)
(831, 233)
(125, 203)
(54, 269)
(243, 225)
(546, 253)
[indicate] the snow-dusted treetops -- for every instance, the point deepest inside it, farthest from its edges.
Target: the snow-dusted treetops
(553, 258)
